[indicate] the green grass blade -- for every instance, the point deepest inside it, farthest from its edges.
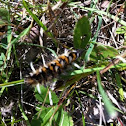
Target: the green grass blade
(49, 34)
(13, 83)
(92, 5)
(34, 16)
(119, 84)
(24, 115)
(75, 72)
(53, 52)
(38, 21)
(115, 18)
(108, 104)
(87, 55)
(83, 119)
(23, 33)
(9, 37)
(2, 90)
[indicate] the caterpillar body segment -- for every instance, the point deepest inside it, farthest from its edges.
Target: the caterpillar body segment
(53, 69)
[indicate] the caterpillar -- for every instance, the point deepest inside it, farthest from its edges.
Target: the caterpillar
(53, 69)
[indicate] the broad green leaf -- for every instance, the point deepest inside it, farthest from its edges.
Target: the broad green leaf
(61, 118)
(82, 33)
(64, 120)
(102, 52)
(41, 97)
(43, 118)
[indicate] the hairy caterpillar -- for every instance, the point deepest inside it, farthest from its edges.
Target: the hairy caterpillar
(53, 69)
